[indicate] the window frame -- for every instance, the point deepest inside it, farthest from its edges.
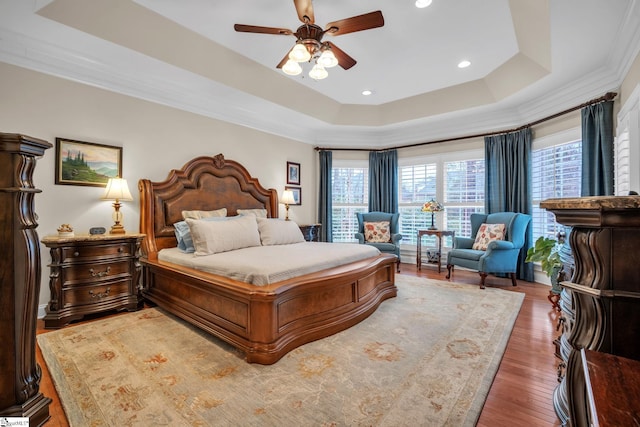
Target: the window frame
(409, 243)
(559, 138)
(350, 164)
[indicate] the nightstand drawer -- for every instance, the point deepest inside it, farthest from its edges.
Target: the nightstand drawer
(93, 294)
(96, 252)
(80, 273)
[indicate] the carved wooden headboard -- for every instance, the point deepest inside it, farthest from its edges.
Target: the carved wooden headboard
(204, 183)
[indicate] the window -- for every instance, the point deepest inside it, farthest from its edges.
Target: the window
(455, 180)
(463, 193)
(350, 194)
(556, 172)
(417, 185)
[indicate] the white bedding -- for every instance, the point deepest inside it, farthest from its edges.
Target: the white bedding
(263, 265)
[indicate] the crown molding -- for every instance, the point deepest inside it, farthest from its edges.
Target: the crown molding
(176, 88)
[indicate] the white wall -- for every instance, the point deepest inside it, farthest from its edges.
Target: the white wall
(155, 139)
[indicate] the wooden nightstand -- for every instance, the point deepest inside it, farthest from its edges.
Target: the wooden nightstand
(311, 232)
(92, 274)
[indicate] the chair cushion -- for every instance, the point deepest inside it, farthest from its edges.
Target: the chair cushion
(377, 232)
(384, 247)
(469, 254)
(486, 234)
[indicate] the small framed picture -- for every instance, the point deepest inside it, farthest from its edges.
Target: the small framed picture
(297, 194)
(293, 173)
(86, 163)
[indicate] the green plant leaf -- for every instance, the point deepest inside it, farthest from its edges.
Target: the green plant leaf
(545, 251)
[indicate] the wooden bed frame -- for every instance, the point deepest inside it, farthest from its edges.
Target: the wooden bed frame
(265, 322)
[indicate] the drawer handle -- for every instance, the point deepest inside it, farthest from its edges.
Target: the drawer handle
(120, 249)
(76, 253)
(100, 295)
(100, 273)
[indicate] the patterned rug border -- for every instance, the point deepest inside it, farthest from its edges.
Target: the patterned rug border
(66, 387)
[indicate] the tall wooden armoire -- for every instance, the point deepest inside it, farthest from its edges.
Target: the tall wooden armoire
(19, 280)
(601, 302)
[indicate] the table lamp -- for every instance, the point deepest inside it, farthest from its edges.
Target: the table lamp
(287, 199)
(432, 206)
(118, 191)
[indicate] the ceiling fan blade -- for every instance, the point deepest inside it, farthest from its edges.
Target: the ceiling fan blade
(304, 8)
(344, 60)
(355, 23)
(261, 30)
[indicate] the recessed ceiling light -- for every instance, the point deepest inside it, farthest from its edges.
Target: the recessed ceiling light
(367, 92)
(464, 64)
(423, 3)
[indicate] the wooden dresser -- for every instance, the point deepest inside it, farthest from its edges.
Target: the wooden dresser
(92, 274)
(311, 232)
(20, 274)
(613, 387)
(602, 298)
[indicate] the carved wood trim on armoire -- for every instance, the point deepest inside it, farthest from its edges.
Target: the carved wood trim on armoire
(20, 280)
(602, 301)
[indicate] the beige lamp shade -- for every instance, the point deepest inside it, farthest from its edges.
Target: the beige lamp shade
(117, 189)
(287, 197)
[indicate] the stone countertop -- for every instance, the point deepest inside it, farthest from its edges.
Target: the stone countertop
(80, 237)
(593, 203)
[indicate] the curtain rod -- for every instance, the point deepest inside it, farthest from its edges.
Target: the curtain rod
(606, 97)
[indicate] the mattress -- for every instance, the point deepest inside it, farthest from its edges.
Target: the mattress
(264, 265)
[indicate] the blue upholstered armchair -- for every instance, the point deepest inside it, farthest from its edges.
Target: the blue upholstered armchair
(393, 245)
(500, 256)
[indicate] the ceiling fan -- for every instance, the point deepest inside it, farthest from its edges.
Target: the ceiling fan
(309, 45)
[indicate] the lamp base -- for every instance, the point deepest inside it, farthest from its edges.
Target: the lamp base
(433, 226)
(117, 229)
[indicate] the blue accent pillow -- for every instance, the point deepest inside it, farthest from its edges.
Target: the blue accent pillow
(183, 236)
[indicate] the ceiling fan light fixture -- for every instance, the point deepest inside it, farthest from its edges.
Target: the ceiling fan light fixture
(299, 53)
(423, 3)
(292, 68)
(318, 72)
(327, 59)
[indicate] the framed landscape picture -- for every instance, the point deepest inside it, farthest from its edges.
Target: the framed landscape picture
(297, 194)
(293, 173)
(86, 163)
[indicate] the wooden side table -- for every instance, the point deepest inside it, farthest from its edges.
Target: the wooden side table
(439, 234)
(92, 274)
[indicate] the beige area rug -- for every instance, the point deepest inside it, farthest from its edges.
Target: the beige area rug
(424, 358)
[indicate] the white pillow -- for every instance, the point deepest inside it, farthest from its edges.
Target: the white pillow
(259, 213)
(275, 231)
(204, 214)
(211, 237)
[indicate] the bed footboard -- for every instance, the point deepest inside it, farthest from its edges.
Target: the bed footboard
(266, 322)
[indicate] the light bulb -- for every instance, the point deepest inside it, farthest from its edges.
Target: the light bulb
(299, 53)
(327, 59)
(292, 68)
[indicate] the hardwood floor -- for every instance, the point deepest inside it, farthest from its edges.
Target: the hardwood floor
(522, 389)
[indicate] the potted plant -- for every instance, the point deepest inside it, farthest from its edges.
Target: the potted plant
(546, 252)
